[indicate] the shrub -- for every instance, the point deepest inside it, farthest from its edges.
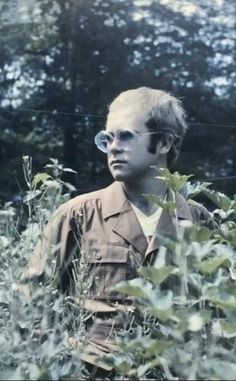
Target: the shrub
(188, 309)
(185, 325)
(36, 336)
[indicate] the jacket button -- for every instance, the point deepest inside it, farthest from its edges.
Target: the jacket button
(99, 256)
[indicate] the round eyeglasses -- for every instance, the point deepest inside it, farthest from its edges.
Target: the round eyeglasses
(126, 137)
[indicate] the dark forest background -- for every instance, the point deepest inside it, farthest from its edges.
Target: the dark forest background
(62, 62)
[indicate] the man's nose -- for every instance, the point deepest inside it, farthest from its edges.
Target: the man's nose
(115, 146)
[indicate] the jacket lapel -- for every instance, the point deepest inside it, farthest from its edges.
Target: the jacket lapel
(164, 226)
(129, 228)
(167, 222)
(126, 226)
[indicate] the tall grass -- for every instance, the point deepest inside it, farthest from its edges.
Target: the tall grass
(40, 337)
(184, 325)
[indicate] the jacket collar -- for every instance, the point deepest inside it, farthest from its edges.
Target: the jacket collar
(114, 201)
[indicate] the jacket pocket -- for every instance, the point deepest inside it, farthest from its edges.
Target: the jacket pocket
(107, 265)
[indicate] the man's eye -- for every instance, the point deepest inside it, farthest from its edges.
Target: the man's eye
(126, 135)
(109, 138)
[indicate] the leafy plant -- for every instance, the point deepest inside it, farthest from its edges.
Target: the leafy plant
(188, 326)
(184, 321)
(41, 336)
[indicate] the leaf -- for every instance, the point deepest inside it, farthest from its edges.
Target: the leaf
(234, 202)
(206, 315)
(197, 233)
(209, 266)
(123, 362)
(160, 260)
(185, 356)
(153, 347)
(231, 238)
(227, 226)
(69, 170)
(163, 315)
(135, 287)
(190, 190)
(228, 230)
(50, 184)
(167, 206)
(147, 345)
(222, 214)
(168, 241)
(4, 241)
(202, 250)
(3, 298)
(54, 161)
(31, 195)
(228, 303)
(195, 280)
(142, 369)
(161, 305)
(220, 199)
(202, 234)
(175, 181)
(228, 329)
(40, 178)
(157, 276)
(69, 186)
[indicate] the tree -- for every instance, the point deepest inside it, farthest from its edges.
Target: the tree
(73, 57)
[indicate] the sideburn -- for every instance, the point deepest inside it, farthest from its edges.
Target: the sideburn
(155, 138)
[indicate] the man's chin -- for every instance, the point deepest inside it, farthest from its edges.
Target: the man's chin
(118, 176)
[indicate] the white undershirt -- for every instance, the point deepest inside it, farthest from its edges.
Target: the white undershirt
(148, 223)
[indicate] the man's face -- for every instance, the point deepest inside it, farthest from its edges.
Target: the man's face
(131, 160)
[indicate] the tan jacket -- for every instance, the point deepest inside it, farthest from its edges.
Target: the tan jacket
(100, 231)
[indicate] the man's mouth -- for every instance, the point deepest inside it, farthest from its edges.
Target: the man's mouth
(116, 161)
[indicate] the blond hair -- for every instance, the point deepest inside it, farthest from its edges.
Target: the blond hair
(164, 111)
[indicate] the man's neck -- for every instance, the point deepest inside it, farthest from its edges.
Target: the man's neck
(136, 192)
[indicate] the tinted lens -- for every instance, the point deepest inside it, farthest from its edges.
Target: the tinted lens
(126, 136)
(102, 139)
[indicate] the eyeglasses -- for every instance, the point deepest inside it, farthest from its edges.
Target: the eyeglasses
(125, 137)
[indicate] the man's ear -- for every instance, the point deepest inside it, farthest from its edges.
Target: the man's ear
(166, 143)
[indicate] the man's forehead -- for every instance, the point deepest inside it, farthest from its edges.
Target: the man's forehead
(130, 114)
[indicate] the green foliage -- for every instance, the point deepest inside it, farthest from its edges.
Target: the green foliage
(190, 190)
(42, 336)
(184, 322)
(174, 181)
(187, 322)
(221, 200)
(168, 206)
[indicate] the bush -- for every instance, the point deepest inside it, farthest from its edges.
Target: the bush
(36, 335)
(186, 311)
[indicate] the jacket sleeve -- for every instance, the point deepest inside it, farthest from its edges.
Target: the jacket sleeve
(202, 215)
(51, 251)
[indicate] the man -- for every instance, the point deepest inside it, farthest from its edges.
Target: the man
(114, 230)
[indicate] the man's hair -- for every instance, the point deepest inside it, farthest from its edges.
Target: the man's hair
(164, 113)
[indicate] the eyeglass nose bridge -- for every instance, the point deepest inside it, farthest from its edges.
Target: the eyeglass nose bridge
(115, 143)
